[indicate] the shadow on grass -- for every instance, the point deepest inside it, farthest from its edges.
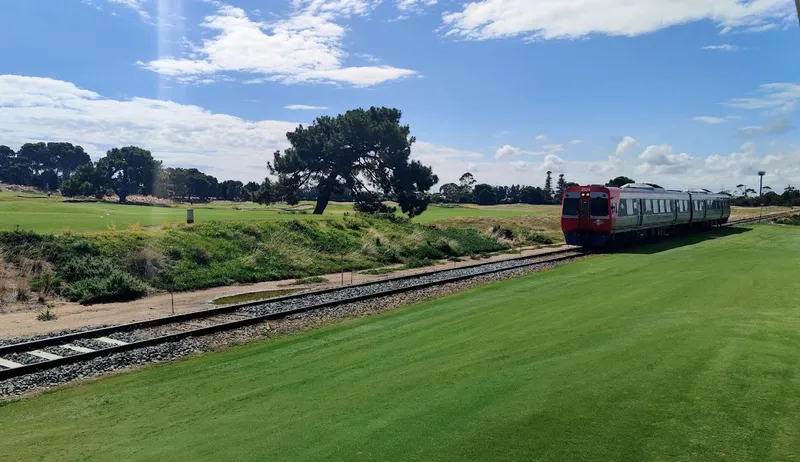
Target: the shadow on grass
(647, 247)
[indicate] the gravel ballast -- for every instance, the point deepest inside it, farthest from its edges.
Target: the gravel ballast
(292, 323)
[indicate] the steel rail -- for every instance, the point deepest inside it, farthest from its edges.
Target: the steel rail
(230, 325)
(211, 312)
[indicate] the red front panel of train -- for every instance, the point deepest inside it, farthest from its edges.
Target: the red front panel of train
(587, 212)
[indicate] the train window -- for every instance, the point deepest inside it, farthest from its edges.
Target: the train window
(635, 206)
(599, 207)
(570, 207)
(662, 206)
(648, 207)
(669, 206)
(623, 208)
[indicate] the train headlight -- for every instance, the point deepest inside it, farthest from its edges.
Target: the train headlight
(598, 222)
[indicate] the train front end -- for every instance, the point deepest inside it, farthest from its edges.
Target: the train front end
(587, 218)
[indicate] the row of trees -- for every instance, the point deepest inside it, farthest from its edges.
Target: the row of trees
(43, 165)
(468, 190)
(123, 171)
(748, 197)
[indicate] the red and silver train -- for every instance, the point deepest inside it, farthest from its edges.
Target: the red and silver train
(594, 216)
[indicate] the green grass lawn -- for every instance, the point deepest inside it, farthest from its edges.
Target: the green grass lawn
(53, 215)
(670, 353)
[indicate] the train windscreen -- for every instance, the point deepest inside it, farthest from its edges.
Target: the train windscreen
(599, 207)
(570, 207)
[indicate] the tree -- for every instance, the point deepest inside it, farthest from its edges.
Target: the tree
(548, 185)
(363, 151)
(7, 156)
(467, 180)
(86, 181)
(129, 170)
(619, 182)
(230, 190)
(37, 156)
(484, 194)
(265, 194)
(561, 186)
(531, 195)
(742, 189)
(571, 184)
(66, 158)
(250, 191)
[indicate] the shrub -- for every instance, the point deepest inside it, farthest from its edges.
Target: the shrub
(115, 287)
(46, 283)
(46, 315)
(311, 280)
(145, 263)
(199, 255)
(81, 268)
(536, 238)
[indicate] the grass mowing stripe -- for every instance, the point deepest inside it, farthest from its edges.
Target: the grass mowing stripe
(664, 353)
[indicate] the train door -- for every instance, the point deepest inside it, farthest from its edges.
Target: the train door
(640, 213)
(674, 211)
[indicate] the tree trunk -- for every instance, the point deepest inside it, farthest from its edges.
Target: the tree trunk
(325, 195)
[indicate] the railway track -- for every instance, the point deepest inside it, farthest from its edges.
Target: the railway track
(19, 359)
(27, 357)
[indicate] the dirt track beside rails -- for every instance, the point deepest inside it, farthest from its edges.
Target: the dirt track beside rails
(21, 321)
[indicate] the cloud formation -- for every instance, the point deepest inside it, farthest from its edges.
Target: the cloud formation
(626, 144)
(571, 19)
(42, 109)
(304, 107)
(710, 119)
(306, 47)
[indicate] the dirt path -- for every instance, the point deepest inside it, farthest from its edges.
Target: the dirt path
(22, 321)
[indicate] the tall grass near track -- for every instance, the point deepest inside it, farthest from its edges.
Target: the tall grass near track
(125, 265)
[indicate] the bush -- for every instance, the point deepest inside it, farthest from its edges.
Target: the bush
(116, 287)
(537, 238)
(46, 283)
(82, 268)
(145, 263)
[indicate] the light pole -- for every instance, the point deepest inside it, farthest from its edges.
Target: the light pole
(761, 174)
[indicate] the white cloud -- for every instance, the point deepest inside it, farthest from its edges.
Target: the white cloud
(575, 142)
(541, 138)
(507, 151)
(135, 5)
(42, 109)
(307, 47)
(626, 144)
(778, 97)
(723, 47)
(553, 148)
(709, 119)
(303, 107)
(413, 5)
(774, 127)
(570, 19)
(660, 160)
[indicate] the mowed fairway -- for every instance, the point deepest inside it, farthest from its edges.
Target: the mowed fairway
(671, 353)
(53, 215)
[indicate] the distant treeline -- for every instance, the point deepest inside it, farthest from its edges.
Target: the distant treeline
(123, 171)
(469, 191)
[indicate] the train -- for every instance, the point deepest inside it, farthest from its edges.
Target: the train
(597, 216)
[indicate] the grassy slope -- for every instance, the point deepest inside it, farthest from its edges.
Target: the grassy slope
(690, 353)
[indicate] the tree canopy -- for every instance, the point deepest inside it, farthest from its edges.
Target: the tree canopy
(619, 182)
(129, 170)
(363, 151)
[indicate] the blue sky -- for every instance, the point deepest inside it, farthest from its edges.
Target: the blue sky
(687, 93)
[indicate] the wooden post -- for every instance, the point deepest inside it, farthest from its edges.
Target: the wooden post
(172, 296)
(189, 216)
(341, 264)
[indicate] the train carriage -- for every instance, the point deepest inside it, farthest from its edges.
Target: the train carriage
(594, 216)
